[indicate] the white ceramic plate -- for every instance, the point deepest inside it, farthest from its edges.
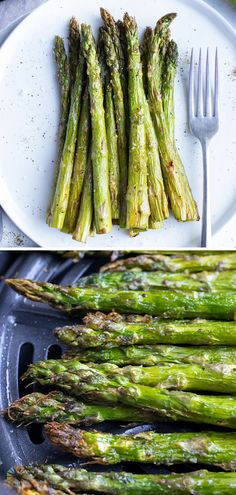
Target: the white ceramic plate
(29, 108)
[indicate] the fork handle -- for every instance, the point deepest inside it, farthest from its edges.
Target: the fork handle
(206, 206)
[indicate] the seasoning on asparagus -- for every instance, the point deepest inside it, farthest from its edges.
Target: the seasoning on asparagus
(168, 304)
(186, 262)
(113, 63)
(102, 204)
(78, 379)
(61, 196)
(123, 483)
(81, 158)
(138, 210)
(150, 355)
(210, 448)
(86, 211)
(56, 406)
(139, 280)
(180, 195)
(63, 73)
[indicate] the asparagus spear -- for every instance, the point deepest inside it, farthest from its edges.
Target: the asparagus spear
(168, 304)
(63, 73)
(114, 172)
(79, 379)
(74, 45)
(218, 378)
(116, 32)
(156, 191)
(167, 88)
(85, 218)
(185, 263)
(61, 196)
(56, 406)
(120, 115)
(182, 202)
(102, 204)
(138, 210)
(81, 158)
(210, 448)
(113, 159)
(121, 483)
(111, 330)
(137, 280)
(150, 355)
(64, 84)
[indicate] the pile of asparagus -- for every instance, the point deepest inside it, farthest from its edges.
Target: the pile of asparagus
(117, 157)
(136, 368)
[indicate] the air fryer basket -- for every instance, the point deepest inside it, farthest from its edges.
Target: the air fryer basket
(26, 336)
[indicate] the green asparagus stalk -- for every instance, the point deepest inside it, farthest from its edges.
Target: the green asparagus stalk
(113, 158)
(220, 378)
(55, 406)
(112, 330)
(137, 280)
(210, 448)
(102, 204)
(150, 355)
(81, 158)
(181, 199)
(121, 483)
(78, 379)
(86, 210)
(168, 304)
(187, 262)
(61, 197)
(120, 116)
(154, 225)
(74, 45)
(63, 73)
(138, 210)
(156, 191)
(167, 89)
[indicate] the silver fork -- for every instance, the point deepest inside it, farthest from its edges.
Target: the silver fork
(204, 123)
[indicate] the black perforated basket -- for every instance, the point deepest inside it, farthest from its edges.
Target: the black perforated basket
(26, 336)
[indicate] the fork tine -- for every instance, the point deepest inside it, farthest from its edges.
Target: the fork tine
(199, 87)
(216, 95)
(208, 91)
(191, 87)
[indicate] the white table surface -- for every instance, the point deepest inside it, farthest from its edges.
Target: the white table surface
(10, 10)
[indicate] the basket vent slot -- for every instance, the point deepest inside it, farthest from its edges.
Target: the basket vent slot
(25, 359)
(54, 352)
(35, 432)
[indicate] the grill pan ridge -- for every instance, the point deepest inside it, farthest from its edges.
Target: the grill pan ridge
(26, 336)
